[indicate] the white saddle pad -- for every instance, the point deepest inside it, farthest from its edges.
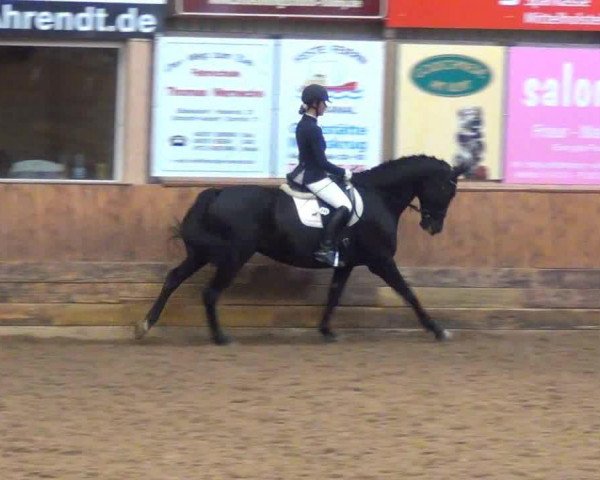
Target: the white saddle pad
(310, 213)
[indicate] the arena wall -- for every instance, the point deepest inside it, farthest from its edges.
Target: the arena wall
(97, 255)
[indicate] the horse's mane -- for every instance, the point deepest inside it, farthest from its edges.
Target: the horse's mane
(403, 169)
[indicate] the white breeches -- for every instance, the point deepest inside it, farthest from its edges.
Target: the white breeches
(330, 192)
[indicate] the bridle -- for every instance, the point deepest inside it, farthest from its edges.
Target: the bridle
(427, 213)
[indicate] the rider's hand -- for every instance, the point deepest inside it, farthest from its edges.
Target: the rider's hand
(347, 174)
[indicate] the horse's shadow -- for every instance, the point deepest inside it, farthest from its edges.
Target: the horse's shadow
(289, 336)
(194, 337)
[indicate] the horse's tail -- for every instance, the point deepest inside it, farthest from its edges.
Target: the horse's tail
(176, 230)
(192, 228)
(196, 212)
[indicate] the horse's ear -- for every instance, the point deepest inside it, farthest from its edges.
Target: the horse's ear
(459, 170)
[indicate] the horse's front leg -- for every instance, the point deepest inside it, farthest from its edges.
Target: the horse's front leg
(336, 288)
(388, 271)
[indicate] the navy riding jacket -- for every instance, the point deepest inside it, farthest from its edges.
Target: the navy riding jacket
(311, 146)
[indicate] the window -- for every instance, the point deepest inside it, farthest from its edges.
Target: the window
(58, 108)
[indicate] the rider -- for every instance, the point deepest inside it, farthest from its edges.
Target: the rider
(314, 170)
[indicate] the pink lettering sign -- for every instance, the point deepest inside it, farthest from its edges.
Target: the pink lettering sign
(553, 128)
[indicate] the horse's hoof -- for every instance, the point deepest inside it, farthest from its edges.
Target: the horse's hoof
(329, 336)
(443, 335)
(222, 340)
(141, 328)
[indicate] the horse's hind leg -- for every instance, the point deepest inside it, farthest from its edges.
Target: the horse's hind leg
(174, 278)
(388, 271)
(227, 269)
(336, 288)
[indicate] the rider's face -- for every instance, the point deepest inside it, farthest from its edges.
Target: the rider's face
(321, 107)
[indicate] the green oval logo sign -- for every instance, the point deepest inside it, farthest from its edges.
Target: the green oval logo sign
(451, 75)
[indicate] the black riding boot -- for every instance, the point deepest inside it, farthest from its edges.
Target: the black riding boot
(327, 249)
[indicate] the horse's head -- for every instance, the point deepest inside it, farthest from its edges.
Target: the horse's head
(435, 194)
(431, 180)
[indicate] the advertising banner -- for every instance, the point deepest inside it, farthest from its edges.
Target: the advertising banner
(357, 9)
(212, 107)
(574, 15)
(352, 71)
(553, 132)
(81, 19)
(450, 105)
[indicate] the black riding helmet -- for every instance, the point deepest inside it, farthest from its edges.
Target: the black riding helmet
(314, 93)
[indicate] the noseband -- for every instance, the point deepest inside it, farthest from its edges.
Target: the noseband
(426, 213)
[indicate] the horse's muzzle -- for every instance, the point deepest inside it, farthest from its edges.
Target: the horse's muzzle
(431, 226)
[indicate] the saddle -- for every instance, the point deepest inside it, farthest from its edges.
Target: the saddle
(314, 212)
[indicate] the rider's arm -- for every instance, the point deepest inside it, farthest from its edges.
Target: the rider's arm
(317, 144)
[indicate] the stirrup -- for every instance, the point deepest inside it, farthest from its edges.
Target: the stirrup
(329, 256)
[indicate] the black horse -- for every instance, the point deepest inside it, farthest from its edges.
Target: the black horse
(226, 226)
